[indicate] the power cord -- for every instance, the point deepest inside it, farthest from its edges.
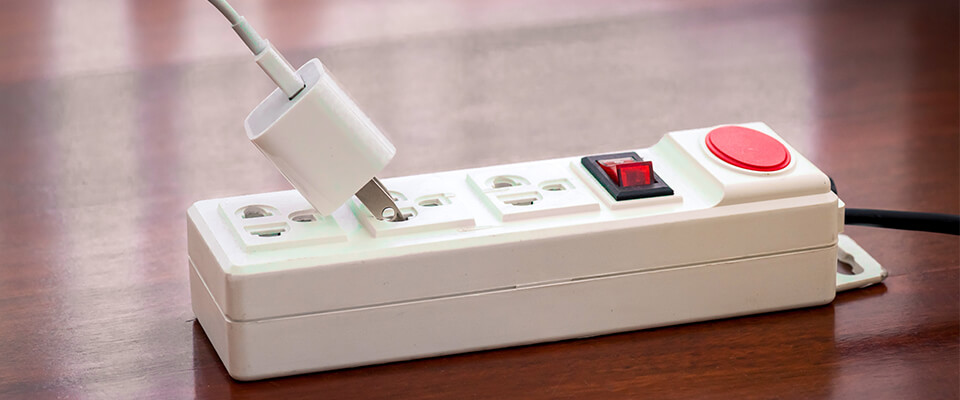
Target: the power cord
(903, 220)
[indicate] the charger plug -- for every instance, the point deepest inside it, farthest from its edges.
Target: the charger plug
(311, 130)
(321, 141)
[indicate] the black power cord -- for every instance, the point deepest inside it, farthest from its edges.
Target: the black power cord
(904, 220)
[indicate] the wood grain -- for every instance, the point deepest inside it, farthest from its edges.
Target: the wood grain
(113, 127)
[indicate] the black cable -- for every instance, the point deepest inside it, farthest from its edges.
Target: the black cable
(905, 220)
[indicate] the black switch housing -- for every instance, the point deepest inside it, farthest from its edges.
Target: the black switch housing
(656, 188)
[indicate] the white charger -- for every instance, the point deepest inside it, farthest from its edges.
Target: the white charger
(311, 130)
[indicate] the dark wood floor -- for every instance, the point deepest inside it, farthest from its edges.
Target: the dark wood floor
(116, 115)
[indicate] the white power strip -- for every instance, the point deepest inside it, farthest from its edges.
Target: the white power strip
(517, 254)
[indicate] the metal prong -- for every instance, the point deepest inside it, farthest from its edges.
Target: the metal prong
(375, 196)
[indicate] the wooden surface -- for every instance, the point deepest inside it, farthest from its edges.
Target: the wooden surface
(116, 115)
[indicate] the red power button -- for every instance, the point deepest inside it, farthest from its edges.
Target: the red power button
(747, 148)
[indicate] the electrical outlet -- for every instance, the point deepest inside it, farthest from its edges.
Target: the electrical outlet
(270, 221)
(514, 254)
(430, 203)
(523, 191)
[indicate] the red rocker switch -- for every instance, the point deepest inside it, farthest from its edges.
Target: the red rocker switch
(628, 172)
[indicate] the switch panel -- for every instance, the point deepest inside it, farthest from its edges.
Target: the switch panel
(626, 176)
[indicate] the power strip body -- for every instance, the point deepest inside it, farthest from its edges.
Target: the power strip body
(508, 255)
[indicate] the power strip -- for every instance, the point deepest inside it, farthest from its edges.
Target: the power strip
(522, 253)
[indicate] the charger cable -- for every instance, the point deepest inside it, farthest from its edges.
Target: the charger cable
(268, 58)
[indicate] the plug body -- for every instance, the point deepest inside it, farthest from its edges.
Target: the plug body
(320, 140)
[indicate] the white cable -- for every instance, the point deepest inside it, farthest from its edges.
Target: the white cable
(249, 35)
(269, 59)
(226, 10)
(278, 69)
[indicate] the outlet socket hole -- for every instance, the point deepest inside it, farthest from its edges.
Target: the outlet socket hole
(407, 212)
(556, 185)
(267, 231)
(254, 212)
(397, 196)
(304, 216)
(521, 199)
(521, 202)
(505, 181)
(434, 200)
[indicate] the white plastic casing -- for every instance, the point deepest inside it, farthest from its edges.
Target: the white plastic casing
(473, 271)
(319, 140)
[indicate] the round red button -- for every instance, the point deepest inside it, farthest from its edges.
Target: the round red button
(748, 148)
